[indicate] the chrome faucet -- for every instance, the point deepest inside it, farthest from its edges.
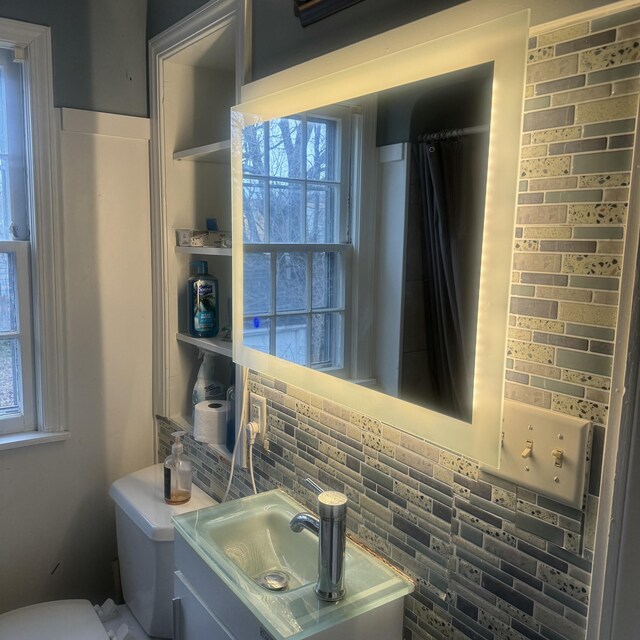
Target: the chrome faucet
(331, 529)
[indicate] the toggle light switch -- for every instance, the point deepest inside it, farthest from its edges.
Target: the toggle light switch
(558, 454)
(528, 450)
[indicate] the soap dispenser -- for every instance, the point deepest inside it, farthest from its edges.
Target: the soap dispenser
(177, 473)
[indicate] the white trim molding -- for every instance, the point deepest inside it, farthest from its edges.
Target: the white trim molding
(104, 124)
(614, 503)
(28, 439)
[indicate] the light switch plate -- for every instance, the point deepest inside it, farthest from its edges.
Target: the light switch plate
(530, 438)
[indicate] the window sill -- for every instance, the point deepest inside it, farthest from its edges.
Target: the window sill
(16, 440)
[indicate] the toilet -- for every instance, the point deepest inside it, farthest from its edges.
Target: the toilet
(145, 549)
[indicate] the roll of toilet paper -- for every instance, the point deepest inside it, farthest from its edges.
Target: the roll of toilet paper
(210, 421)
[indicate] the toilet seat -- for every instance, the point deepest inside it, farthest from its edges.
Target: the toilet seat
(58, 620)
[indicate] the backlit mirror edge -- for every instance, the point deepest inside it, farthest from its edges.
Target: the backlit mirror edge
(505, 42)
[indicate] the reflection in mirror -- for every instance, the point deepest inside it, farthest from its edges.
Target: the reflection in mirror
(306, 232)
(296, 216)
(334, 293)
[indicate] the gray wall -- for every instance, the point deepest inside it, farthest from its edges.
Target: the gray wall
(294, 44)
(279, 41)
(161, 14)
(99, 46)
(99, 51)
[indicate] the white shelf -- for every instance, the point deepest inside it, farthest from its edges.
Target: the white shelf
(204, 251)
(185, 424)
(216, 153)
(216, 345)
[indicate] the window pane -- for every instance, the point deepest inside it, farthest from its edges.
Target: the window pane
(253, 160)
(291, 282)
(5, 205)
(8, 302)
(322, 212)
(257, 283)
(326, 340)
(321, 149)
(285, 212)
(256, 333)
(4, 147)
(9, 376)
(253, 210)
(13, 191)
(285, 148)
(326, 280)
(291, 338)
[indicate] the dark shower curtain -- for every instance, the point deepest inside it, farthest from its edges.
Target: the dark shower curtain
(442, 169)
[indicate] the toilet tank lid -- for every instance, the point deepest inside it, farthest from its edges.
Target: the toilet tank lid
(141, 496)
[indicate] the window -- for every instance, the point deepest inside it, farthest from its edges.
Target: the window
(16, 358)
(30, 363)
(297, 237)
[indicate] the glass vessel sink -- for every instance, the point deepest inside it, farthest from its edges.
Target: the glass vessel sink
(260, 543)
(249, 545)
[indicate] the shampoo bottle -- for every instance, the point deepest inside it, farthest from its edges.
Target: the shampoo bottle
(203, 302)
(177, 473)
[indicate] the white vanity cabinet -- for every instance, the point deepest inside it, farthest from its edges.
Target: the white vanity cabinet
(204, 607)
(192, 619)
(195, 75)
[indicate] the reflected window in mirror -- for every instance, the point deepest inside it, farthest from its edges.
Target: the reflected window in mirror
(296, 235)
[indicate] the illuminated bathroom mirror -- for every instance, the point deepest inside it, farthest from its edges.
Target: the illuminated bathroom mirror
(374, 195)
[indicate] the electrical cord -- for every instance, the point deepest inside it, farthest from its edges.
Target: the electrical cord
(233, 462)
(245, 379)
(252, 431)
(253, 428)
(253, 480)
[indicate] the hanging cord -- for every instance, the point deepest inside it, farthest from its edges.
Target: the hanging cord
(245, 379)
(253, 480)
(233, 462)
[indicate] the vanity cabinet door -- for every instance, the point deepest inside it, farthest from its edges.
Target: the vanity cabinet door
(192, 618)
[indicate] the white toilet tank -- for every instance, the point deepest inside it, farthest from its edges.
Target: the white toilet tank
(145, 545)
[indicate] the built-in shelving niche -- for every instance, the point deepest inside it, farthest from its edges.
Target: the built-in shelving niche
(195, 79)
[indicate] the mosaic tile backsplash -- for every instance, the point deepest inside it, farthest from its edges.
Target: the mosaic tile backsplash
(492, 560)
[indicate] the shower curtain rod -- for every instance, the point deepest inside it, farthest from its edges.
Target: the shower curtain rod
(453, 133)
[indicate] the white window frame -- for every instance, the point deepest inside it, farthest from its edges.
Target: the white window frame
(47, 412)
(348, 140)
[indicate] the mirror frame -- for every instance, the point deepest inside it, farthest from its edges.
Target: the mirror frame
(420, 50)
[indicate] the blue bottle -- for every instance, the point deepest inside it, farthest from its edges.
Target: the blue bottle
(203, 302)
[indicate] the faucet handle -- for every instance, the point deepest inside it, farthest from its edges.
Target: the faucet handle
(332, 505)
(313, 485)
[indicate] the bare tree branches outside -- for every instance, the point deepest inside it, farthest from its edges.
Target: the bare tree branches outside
(293, 298)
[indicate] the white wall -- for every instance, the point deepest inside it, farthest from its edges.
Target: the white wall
(54, 509)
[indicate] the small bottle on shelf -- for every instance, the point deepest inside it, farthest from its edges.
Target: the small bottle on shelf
(203, 302)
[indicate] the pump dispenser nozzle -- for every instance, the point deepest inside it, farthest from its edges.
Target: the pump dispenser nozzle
(177, 446)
